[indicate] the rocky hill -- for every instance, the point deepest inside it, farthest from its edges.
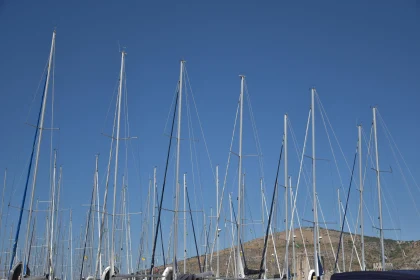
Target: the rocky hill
(401, 254)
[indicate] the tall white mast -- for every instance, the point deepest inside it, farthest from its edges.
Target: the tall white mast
(286, 181)
(238, 248)
(178, 152)
(126, 214)
(362, 233)
(129, 240)
(341, 223)
(117, 139)
(154, 202)
(236, 263)
(71, 245)
(314, 186)
(185, 222)
(38, 147)
(51, 268)
(263, 225)
(107, 249)
(381, 231)
(97, 206)
(293, 228)
(207, 240)
(217, 222)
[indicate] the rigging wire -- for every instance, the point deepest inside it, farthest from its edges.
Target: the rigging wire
(37, 89)
(163, 190)
(298, 181)
(306, 174)
(250, 214)
(399, 166)
(256, 140)
(87, 231)
(351, 236)
(301, 235)
(126, 173)
(366, 166)
(114, 95)
(102, 229)
(199, 121)
(270, 215)
(326, 227)
(170, 107)
(193, 228)
(383, 195)
(353, 248)
(193, 151)
(26, 184)
(398, 150)
(226, 174)
(256, 137)
(345, 213)
(386, 204)
(272, 238)
(323, 112)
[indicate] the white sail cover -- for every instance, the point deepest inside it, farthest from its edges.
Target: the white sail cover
(240, 267)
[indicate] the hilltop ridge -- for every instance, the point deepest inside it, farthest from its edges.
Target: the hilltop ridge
(401, 254)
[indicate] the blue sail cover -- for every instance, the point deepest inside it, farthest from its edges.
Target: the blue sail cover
(320, 269)
(378, 275)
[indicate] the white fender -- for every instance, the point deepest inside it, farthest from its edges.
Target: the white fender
(16, 271)
(107, 271)
(311, 273)
(167, 273)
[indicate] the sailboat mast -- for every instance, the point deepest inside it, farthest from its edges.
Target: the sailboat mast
(286, 182)
(341, 222)
(126, 215)
(314, 185)
(293, 229)
(117, 144)
(217, 222)
(51, 269)
(205, 239)
(185, 222)
(97, 207)
(38, 148)
(71, 245)
(178, 152)
(238, 248)
(154, 203)
(362, 233)
(236, 263)
(263, 227)
(381, 231)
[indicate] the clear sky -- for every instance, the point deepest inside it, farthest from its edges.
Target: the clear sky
(356, 54)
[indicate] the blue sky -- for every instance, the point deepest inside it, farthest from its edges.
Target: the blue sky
(356, 54)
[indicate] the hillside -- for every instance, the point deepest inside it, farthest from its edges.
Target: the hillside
(402, 255)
